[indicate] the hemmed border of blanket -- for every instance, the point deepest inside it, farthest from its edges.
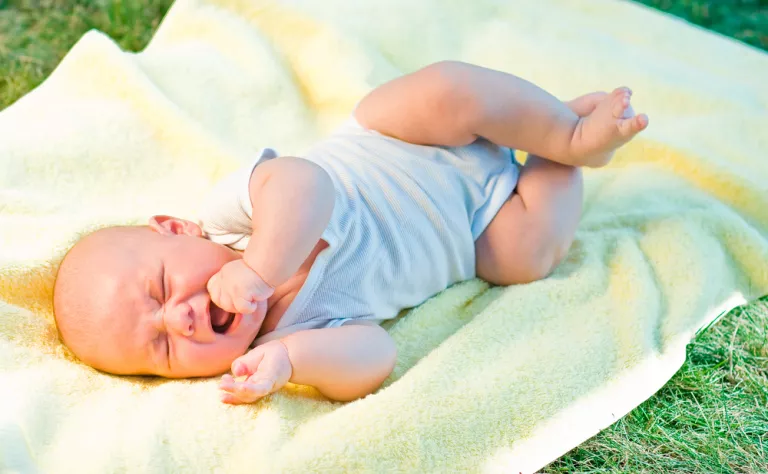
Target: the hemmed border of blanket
(16, 455)
(598, 410)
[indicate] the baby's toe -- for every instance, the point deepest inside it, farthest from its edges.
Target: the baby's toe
(629, 112)
(641, 122)
(631, 126)
(620, 101)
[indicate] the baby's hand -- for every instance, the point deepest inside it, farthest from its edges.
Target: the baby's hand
(237, 288)
(268, 368)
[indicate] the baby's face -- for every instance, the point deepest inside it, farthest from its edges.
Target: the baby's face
(158, 317)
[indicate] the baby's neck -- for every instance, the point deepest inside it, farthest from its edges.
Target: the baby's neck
(284, 294)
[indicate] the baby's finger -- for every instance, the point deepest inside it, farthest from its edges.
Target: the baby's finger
(259, 289)
(236, 390)
(232, 399)
(247, 364)
(255, 391)
(214, 286)
(245, 305)
(260, 386)
(227, 383)
(223, 301)
(247, 392)
(218, 296)
(275, 366)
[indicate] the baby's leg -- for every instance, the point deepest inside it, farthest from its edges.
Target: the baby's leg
(609, 125)
(534, 229)
(586, 104)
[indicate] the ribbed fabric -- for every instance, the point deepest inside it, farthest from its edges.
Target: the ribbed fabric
(403, 227)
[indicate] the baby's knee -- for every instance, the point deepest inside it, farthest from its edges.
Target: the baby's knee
(537, 259)
(540, 263)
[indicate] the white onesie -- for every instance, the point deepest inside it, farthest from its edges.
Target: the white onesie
(403, 227)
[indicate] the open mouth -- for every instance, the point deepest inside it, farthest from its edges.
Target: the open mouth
(221, 320)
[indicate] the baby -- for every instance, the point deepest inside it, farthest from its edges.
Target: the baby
(299, 259)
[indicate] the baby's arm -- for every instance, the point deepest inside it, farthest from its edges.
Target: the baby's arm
(292, 202)
(343, 363)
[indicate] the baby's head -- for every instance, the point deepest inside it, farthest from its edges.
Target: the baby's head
(133, 300)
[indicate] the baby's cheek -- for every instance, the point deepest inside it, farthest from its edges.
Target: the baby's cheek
(230, 349)
(209, 359)
(225, 353)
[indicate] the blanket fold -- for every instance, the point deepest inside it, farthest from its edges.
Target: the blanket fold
(488, 379)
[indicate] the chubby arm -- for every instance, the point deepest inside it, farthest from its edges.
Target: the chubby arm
(343, 363)
(292, 202)
(451, 103)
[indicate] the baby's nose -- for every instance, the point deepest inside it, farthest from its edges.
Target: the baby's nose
(184, 320)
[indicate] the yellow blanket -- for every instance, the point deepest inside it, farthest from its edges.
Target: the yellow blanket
(488, 379)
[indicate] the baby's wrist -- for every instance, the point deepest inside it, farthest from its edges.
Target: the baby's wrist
(264, 287)
(287, 356)
(265, 269)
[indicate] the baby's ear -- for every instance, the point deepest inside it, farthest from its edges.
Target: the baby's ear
(167, 225)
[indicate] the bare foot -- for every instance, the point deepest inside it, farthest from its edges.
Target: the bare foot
(610, 125)
(586, 104)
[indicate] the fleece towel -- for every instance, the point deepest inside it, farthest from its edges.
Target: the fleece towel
(488, 379)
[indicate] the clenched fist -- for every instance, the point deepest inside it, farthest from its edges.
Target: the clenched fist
(237, 288)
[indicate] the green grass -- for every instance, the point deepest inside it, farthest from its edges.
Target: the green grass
(712, 417)
(745, 20)
(35, 34)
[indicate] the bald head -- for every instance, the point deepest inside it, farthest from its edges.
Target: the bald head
(89, 277)
(134, 300)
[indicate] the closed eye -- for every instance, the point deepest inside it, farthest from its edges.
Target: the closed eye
(168, 351)
(161, 299)
(158, 288)
(164, 285)
(164, 299)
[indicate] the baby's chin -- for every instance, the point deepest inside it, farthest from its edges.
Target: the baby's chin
(244, 330)
(214, 366)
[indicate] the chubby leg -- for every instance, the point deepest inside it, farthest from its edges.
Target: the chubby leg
(534, 229)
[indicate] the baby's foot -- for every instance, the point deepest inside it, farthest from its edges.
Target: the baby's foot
(612, 124)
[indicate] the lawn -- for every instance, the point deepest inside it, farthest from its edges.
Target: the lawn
(712, 417)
